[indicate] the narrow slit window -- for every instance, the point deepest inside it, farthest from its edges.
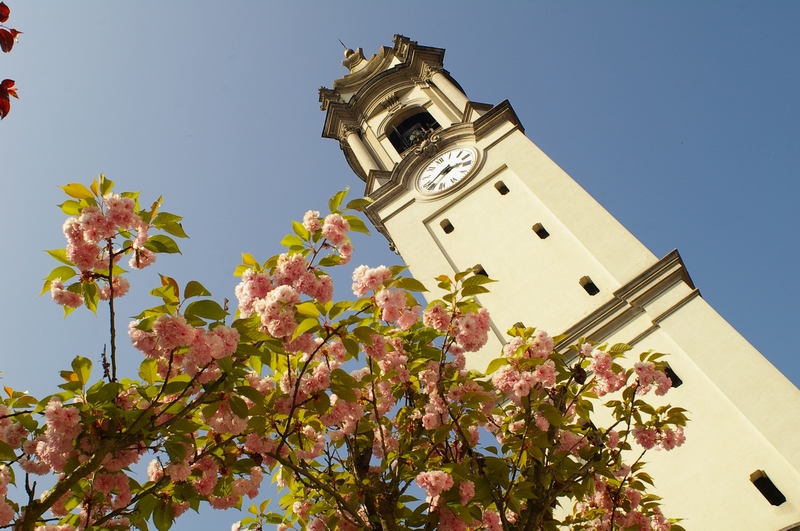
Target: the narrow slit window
(540, 231)
(590, 287)
(447, 227)
(767, 488)
(673, 377)
(479, 270)
(501, 187)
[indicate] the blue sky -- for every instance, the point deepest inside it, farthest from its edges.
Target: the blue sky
(681, 118)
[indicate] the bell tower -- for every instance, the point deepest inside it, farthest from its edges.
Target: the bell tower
(456, 184)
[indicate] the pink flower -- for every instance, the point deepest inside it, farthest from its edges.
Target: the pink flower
(311, 221)
(366, 279)
(121, 287)
(436, 317)
(434, 483)
(141, 258)
(120, 210)
(467, 491)
(472, 330)
(62, 296)
(172, 331)
(335, 228)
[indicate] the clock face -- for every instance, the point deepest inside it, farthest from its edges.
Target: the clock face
(446, 170)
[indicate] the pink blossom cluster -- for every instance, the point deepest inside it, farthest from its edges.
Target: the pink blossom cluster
(6, 511)
(11, 432)
(175, 343)
(51, 450)
(434, 482)
(624, 506)
(343, 414)
(273, 298)
(659, 438)
(436, 317)
(367, 279)
(540, 346)
(606, 380)
(64, 297)
(472, 330)
(649, 376)
(335, 228)
(516, 384)
(84, 234)
(396, 309)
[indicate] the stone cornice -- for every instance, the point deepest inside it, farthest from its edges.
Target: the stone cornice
(630, 302)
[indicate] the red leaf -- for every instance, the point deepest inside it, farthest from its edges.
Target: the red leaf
(4, 11)
(6, 89)
(6, 40)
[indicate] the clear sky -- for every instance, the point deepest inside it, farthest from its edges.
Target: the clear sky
(681, 118)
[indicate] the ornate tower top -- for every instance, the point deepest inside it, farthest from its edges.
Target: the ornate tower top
(388, 104)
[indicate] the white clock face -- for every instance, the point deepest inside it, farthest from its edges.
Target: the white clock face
(446, 170)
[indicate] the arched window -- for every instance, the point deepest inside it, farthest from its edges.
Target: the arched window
(409, 131)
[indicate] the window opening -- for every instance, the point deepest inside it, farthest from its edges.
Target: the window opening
(767, 488)
(589, 286)
(676, 381)
(413, 129)
(501, 187)
(447, 227)
(540, 231)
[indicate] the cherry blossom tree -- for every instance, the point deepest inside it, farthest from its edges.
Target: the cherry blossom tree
(364, 411)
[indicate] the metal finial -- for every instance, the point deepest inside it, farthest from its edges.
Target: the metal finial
(343, 44)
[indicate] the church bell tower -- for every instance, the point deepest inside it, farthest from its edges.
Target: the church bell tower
(456, 185)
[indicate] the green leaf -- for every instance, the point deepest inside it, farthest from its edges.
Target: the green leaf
(70, 208)
(307, 325)
(307, 308)
(410, 284)
(356, 224)
(496, 364)
(359, 204)
(343, 384)
(247, 259)
(364, 333)
(60, 255)
(477, 280)
(251, 393)
(176, 229)
(300, 230)
(195, 289)
(7, 452)
(90, 297)
(338, 308)
(469, 291)
(290, 240)
(105, 184)
(83, 368)
(165, 218)
(148, 371)
(335, 201)
(161, 243)
(206, 309)
(163, 515)
(238, 406)
(77, 190)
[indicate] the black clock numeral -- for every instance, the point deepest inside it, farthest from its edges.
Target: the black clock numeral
(442, 185)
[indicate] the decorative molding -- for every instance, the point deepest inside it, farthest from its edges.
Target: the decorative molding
(391, 103)
(429, 70)
(428, 146)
